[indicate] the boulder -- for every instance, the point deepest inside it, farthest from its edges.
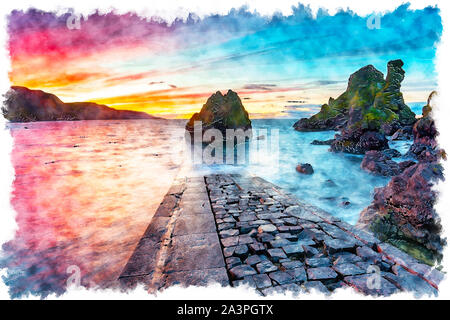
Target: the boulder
(359, 141)
(390, 99)
(377, 162)
(322, 142)
(403, 213)
(305, 168)
(391, 153)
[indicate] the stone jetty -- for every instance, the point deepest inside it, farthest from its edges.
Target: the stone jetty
(244, 231)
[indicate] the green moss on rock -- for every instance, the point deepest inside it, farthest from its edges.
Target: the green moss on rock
(222, 112)
(386, 230)
(369, 102)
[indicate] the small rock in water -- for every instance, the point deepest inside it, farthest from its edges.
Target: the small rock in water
(345, 203)
(330, 183)
(305, 168)
(322, 142)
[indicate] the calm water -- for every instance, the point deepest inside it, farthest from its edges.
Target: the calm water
(84, 192)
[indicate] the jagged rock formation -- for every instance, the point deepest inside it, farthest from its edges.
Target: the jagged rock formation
(222, 112)
(371, 103)
(25, 105)
(402, 212)
(381, 163)
(359, 141)
(424, 131)
(405, 133)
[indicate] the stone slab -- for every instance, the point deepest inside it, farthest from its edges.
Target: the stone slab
(203, 277)
(142, 261)
(194, 252)
(193, 224)
(371, 284)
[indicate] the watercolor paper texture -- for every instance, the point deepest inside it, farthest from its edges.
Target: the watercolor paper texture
(284, 152)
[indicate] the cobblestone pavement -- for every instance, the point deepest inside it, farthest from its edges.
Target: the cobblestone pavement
(238, 230)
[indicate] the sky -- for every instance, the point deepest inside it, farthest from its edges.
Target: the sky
(281, 66)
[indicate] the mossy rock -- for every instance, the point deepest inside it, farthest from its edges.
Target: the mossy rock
(369, 102)
(222, 112)
(416, 251)
(386, 230)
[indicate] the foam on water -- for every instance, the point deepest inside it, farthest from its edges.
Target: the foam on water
(337, 179)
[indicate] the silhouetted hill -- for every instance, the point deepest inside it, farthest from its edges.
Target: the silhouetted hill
(24, 105)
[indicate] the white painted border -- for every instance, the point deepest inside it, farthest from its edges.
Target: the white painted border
(169, 9)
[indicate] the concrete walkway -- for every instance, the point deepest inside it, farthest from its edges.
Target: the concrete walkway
(237, 230)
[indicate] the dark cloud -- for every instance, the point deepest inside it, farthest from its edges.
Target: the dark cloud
(296, 101)
(265, 87)
(155, 82)
(326, 82)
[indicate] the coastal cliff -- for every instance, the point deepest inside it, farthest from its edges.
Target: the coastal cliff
(25, 105)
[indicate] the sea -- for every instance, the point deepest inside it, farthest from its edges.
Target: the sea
(85, 191)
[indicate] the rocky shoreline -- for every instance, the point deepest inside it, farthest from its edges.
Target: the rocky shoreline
(369, 114)
(239, 230)
(403, 211)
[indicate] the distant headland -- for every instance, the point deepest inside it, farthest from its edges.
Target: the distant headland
(26, 105)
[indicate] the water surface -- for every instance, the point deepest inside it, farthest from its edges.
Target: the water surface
(85, 191)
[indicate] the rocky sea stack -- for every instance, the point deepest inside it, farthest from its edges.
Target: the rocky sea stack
(371, 108)
(222, 112)
(25, 105)
(424, 132)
